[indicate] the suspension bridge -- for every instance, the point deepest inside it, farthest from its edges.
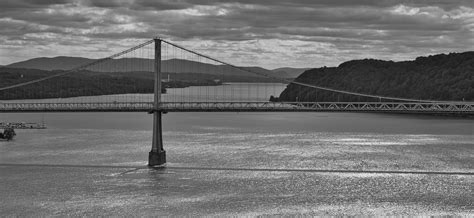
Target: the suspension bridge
(159, 76)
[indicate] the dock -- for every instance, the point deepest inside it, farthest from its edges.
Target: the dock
(22, 125)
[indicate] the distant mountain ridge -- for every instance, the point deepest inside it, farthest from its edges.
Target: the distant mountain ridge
(140, 64)
(447, 77)
(55, 63)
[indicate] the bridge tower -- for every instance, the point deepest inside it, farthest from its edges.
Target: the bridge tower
(157, 155)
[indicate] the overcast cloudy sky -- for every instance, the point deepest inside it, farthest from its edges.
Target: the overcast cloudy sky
(268, 33)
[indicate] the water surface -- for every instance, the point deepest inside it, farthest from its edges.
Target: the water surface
(224, 164)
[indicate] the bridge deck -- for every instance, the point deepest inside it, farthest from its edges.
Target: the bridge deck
(398, 107)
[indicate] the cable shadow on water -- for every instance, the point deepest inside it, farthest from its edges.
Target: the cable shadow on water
(176, 168)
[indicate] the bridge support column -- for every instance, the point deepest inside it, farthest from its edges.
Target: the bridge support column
(157, 155)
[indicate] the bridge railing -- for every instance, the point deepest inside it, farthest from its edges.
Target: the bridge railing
(409, 107)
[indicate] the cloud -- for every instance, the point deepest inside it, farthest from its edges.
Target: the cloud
(304, 33)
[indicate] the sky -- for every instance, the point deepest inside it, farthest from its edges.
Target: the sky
(266, 33)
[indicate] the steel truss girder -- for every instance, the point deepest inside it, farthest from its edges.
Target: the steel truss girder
(402, 107)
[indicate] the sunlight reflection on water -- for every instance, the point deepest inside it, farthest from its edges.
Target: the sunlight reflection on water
(233, 141)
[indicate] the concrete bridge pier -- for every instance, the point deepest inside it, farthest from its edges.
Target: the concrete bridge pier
(157, 155)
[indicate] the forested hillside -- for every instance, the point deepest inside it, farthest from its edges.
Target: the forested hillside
(88, 83)
(438, 77)
(72, 85)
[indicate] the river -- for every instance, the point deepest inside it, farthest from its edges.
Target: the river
(238, 164)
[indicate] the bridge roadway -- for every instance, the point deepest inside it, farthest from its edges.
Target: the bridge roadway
(461, 108)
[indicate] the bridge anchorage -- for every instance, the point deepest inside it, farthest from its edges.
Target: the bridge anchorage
(134, 80)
